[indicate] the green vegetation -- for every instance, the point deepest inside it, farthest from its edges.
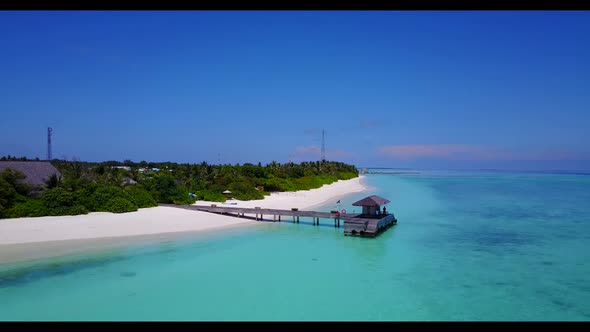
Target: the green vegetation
(119, 187)
(28, 208)
(12, 191)
(119, 205)
(141, 197)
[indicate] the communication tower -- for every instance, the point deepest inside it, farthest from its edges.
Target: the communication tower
(49, 130)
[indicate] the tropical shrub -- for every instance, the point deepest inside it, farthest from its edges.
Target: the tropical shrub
(58, 197)
(28, 208)
(119, 205)
(103, 194)
(211, 196)
(141, 197)
(67, 210)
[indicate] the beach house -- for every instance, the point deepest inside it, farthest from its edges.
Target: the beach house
(37, 172)
(372, 205)
(372, 220)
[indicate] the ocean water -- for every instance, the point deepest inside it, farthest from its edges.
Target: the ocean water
(469, 246)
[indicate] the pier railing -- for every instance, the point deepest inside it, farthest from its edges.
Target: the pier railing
(354, 224)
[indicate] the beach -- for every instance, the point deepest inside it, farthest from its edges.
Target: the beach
(303, 200)
(28, 238)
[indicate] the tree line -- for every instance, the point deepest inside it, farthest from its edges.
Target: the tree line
(114, 186)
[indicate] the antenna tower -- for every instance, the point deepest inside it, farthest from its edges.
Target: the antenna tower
(323, 145)
(49, 130)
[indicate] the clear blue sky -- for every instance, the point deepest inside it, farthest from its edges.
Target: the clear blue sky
(391, 89)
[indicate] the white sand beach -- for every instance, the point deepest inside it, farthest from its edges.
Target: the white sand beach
(303, 200)
(18, 235)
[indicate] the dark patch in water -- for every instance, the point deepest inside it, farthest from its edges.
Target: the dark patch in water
(128, 274)
(467, 286)
(500, 283)
(132, 294)
(579, 285)
(500, 238)
(483, 240)
(542, 293)
(497, 212)
(547, 263)
(168, 251)
(167, 247)
(314, 259)
(20, 275)
(561, 304)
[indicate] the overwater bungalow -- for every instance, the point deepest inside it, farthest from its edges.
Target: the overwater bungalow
(373, 220)
(372, 205)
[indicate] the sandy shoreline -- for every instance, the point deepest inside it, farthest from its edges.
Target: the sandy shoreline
(30, 238)
(29, 252)
(304, 199)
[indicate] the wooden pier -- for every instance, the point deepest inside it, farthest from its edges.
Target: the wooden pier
(391, 172)
(259, 213)
(368, 225)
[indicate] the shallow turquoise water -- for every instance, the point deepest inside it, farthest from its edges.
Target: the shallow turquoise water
(468, 246)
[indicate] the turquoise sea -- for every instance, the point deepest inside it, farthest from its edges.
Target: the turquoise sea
(483, 245)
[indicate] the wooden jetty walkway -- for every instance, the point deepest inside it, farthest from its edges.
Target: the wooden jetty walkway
(364, 171)
(368, 224)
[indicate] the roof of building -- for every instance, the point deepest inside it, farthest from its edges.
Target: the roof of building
(128, 180)
(37, 172)
(372, 201)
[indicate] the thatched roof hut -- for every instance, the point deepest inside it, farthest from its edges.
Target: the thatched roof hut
(37, 172)
(371, 204)
(372, 201)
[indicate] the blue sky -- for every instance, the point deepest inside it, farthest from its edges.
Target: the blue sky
(426, 89)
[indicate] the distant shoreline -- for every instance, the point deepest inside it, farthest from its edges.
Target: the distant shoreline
(393, 172)
(33, 238)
